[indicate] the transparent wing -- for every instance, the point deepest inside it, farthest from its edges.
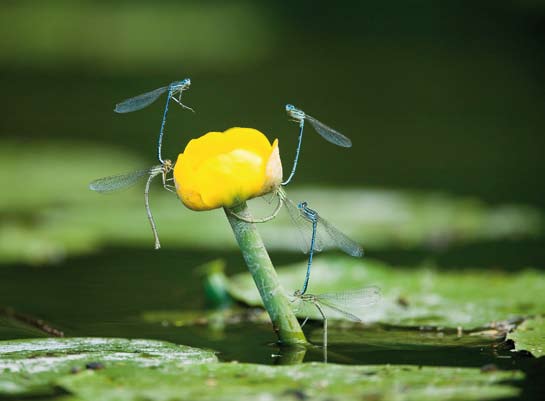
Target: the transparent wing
(121, 181)
(304, 227)
(140, 101)
(360, 297)
(328, 133)
(327, 235)
(338, 239)
(326, 306)
(343, 302)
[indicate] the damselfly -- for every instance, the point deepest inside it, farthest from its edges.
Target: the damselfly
(144, 100)
(328, 133)
(121, 181)
(315, 231)
(335, 303)
(319, 231)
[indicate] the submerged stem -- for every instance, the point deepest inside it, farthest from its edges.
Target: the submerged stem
(262, 270)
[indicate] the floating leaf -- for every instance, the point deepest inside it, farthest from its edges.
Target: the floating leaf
(382, 218)
(29, 367)
(396, 338)
(119, 369)
(530, 336)
(469, 299)
(211, 318)
(237, 381)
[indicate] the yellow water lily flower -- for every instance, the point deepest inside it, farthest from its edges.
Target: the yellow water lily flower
(226, 168)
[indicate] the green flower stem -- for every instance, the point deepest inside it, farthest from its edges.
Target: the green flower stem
(259, 264)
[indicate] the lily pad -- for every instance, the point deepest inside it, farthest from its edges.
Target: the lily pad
(234, 381)
(51, 213)
(380, 218)
(466, 299)
(396, 338)
(213, 318)
(530, 336)
(29, 367)
(113, 369)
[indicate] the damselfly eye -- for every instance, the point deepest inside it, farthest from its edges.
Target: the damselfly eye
(290, 107)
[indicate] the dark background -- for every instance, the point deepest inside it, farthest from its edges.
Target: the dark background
(435, 95)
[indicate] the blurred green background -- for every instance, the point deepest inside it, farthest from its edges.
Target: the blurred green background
(437, 97)
(443, 96)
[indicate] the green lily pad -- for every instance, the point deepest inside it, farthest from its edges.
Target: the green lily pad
(154, 370)
(237, 381)
(213, 318)
(29, 367)
(51, 213)
(396, 338)
(384, 218)
(467, 299)
(530, 336)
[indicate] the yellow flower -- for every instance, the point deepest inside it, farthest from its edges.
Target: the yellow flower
(226, 168)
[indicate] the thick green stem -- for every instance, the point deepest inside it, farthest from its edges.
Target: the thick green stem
(257, 259)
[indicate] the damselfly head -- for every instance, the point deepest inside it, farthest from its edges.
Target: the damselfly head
(296, 114)
(302, 205)
(180, 85)
(167, 165)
